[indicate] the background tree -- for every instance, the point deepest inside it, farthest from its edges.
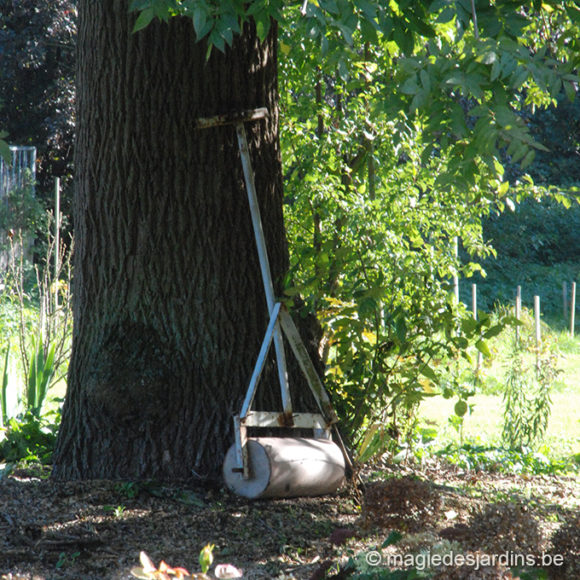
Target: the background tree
(37, 62)
(536, 240)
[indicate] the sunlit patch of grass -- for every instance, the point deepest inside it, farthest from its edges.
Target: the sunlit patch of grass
(486, 420)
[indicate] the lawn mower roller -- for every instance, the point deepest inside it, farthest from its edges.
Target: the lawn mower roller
(273, 467)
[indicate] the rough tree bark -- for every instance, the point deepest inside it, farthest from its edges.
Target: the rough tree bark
(169, 307)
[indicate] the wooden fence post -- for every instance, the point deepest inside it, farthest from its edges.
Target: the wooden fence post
(56, 238)
(572, 309)
(518, 313)
(474, 310)
(538, 330)
(455, 275)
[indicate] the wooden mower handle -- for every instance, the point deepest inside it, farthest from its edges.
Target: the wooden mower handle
(232, 118)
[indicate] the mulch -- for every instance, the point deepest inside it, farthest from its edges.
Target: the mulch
(97, 529)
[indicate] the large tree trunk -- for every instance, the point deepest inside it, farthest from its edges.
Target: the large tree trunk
(168, 301)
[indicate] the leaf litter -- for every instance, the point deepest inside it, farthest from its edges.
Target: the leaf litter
(95, 530)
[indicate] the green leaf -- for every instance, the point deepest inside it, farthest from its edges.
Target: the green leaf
(394, 537)
(528, 158)
(368, 32)
(570, 90)
(420, 25)
(263, 25)
(493, 331)
(410, 86)
(144, 19)
(330, 6)
(428, 372)
(138, 5)
(468, 325)
(401, 329)
(216, 39)
(460, 408)
(403, 36)
(446, 15)
(483, 348)
(4, 389)
(201, 24)
(573, 11)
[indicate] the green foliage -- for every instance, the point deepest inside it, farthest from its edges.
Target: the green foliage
(527, 397)
(37, 318)
(477, 457)
(65, 560)
(534, 574)
(392, 144)
(29, 438)
(558, 127)
(40, 374)
(37, 83)
(505, 274)
(368, 565)
(5, 152)
(536, 232)
(377, 269)
(466, 87)
(219, 22)
(514, 374)
(37, 314)
(21, 214)
(4, 389)
(128, 489)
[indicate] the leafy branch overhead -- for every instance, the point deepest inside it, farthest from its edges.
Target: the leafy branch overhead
(467, 84)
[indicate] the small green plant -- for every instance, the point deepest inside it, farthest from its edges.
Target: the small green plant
(65, 560)
(29, 438)
(477, 457)
(118, 511)
(463, 385)
(527, 401)
(4, 389)
(40, 374)
(128, 489)
(206, 557)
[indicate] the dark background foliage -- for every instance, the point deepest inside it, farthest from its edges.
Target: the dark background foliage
(37, 65)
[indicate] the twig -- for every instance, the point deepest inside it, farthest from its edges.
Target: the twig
(474, 15)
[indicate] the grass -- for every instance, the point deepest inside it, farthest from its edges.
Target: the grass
(486, 421)
(483, 425)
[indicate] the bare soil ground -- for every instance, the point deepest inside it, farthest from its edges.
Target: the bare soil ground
(449, 524)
